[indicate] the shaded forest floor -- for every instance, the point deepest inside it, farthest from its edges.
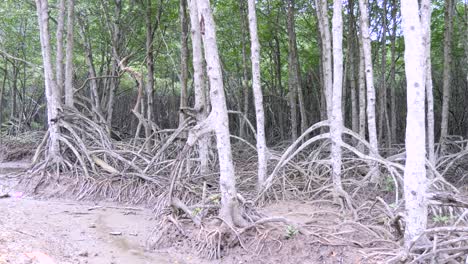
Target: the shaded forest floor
(101, 232)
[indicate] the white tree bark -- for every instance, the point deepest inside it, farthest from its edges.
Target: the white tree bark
(324, 27)
(68, 89)
(366, 46)
(60, 55)
(449, 10)
(258, 96)
(199, 85)
(393, 112)
(229, 210)
(183, 59)
(51, 90)
(415, 169)
(362, 93)
(336, 126)
(426, 33)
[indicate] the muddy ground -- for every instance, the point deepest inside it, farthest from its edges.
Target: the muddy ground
(46, 231)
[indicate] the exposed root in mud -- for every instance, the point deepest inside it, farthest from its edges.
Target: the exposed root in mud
(186, 203)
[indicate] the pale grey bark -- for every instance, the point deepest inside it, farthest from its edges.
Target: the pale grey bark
(51, 89)
(149, 86)
(59, 66)
(2, 93)
(415, 167)
(393, 112)
(384, 126)
(199, 86)
(68, 88)
(426, 12)
(336, 125)
(293, 81)
(245, 79)
(258, 96)
(95, 101)
(362, 93)
(371, 122)
(447, 77)
(116, 39)
(183, 58)
(324, 28)
(229, 211)
(353, 51)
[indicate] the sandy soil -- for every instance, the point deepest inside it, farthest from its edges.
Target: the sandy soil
(72, 232)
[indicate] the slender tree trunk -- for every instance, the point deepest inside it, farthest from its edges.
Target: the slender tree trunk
(199, 86)
(2, 94)
(362, 94)
(300, 92)
(60, 55)
(393, 112)
(449, 10)
(383, 84)
(280, 82)
(353, 51)
(366, 47)
(52, 94)
(95, 101)
(245, 79)
(68, 89)
(150, 75)
(415, 168)
(322, 13)
(258, 96)
(14, 92)
(229, 211)
(336, 126)
(293, 81)
(426, 12)
(116, 50)
(183, 58)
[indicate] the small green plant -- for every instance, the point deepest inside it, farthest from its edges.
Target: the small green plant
(291, 231)
(196, 211)
(441, 219)
(389, 184)
(215, 199)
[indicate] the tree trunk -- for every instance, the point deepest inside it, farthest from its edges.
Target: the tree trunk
(116, 50)
(366, 47)
(245, 79)
(353, 51)
(52, 94)
(258, 96)
(426, 11)
(415, 170)
(2, 94)
(336, 126)
(293, 81)
(199, 87)
(393, 112)
(322, 13)
(183, 59)
(229, 210)
(383, 84)
(449, 10)
(149, 88)
(362, 93)
(95, 101)
(68, 89)
(60, 55)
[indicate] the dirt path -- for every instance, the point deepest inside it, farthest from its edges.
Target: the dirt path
(72, 232)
